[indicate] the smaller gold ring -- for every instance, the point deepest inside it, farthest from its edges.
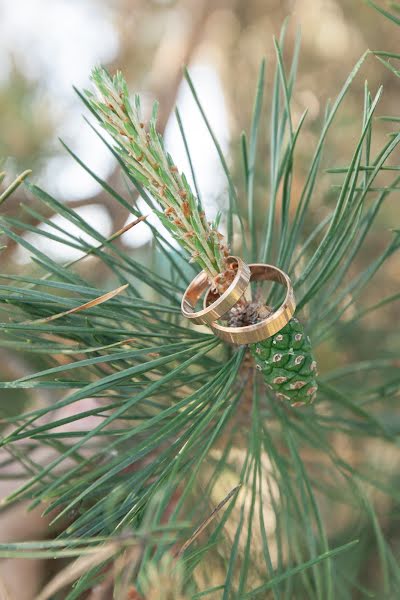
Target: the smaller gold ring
(223, 303)
(271, 324)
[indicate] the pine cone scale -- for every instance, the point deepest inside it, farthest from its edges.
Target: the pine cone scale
(288, 365)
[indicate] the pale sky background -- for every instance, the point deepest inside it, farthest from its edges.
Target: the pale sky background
(58, 42)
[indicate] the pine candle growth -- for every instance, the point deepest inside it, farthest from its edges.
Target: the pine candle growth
(285, 359)
(142, 150)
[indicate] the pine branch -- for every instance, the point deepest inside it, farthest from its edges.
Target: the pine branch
(176, 420)
(143, 152)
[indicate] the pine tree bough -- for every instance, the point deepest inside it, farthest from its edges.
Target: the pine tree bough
(290, 371)
(142, 424)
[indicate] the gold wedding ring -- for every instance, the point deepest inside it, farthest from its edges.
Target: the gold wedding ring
(223, 303)
(271, 324)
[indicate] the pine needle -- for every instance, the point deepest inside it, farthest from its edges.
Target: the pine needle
(85, 306)
(13, 186)
(207, 521)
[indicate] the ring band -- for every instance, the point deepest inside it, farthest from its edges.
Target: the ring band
(271, 324)
(223, 303)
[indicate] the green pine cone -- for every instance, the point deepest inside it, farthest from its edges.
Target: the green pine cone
(287, 364)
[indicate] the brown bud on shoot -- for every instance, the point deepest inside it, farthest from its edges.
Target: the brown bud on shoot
(186, 209)
(194, 257)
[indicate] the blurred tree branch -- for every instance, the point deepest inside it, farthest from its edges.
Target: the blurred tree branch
(162, 81)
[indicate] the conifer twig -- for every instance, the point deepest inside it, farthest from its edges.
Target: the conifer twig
(142, 149)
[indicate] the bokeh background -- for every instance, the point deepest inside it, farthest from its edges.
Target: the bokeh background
(49, 46)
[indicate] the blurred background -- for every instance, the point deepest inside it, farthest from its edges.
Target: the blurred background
(49, 46)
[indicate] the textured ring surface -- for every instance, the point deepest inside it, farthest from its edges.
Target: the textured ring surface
(271, 324)
(223, 303)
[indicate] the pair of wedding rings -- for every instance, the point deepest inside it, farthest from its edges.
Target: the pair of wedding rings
(215, 307)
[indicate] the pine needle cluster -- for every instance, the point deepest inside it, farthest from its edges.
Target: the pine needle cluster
(169, 464)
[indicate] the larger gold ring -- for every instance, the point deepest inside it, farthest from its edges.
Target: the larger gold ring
(223, 303)
(271, 324)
